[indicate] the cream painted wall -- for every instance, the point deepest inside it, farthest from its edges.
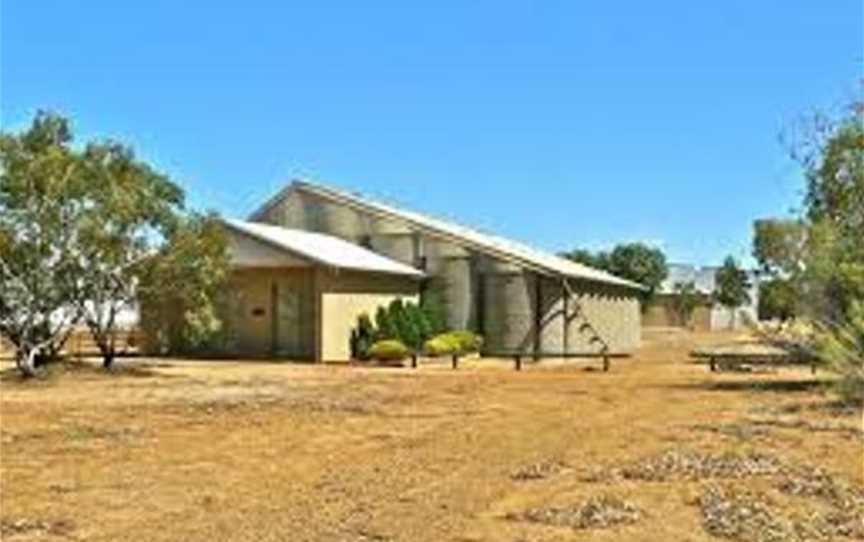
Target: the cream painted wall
(339, 312)
(345, 295)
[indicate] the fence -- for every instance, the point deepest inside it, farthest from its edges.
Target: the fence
(81, 343)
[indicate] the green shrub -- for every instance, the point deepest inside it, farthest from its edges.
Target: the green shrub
(421, 323)
(388, 350)
(468, 341)
(841, 347)
(384, 325)
(403, 325)
(362, 337)
(435, 311)
(441, 345)
(454, 342)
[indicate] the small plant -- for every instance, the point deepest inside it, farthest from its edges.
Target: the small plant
(454, 342)
(468, 341)
(406, 330)
(389, 350)
(385, 328)
(420, 322)
(441, 345)
(362, 337)
(435, 311)
(842, 349)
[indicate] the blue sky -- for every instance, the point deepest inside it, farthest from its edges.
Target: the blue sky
(559, 123)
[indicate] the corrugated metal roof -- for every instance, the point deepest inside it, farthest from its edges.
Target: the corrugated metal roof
(323, 249)
(483, 242)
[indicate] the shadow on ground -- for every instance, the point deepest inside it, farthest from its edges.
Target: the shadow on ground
(782, 386)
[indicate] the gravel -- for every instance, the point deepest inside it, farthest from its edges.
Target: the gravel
(742, 515)
(846, 517)
(688, 465)
(747, 516)
(34, 527)
(538, 471)
(594, 513)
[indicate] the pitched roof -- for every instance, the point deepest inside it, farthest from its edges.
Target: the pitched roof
(323, 249)
(500, 247)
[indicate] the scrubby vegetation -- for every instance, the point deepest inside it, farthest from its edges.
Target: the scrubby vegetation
(388, 350)
(841, 347)
(454, 342)
(818, 257)
(419, 328)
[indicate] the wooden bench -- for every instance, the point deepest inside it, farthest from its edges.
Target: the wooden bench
(727, 359)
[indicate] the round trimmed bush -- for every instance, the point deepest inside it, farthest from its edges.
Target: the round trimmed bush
(388, 350)
(468, 341)
(441, 345)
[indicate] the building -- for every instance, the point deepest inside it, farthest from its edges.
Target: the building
(297, 294)
(708, 315)
(299, 286)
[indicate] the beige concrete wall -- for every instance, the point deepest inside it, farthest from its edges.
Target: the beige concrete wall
(510, 321)
(661, 313)
(250, 311)
(615, 315)
(344, 296)
(507, 292)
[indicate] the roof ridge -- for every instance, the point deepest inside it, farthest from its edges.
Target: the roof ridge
(519, 251)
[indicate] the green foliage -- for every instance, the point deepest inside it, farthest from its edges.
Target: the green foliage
(43, 199)
(131, 206)
(468, 341)
(732, 284)
(404, 325)
(686, 299)
(841, 347)
(639, 263)
(597, 260)
(182, 286)
(404, 322)
(778, 299)
(420, 322)
(78, 228)
(363, 336)
(822, 253)
(835, 179)
(441, 345)
(454, 342)
(634, 261)
(389, 350)
(435, 310)
(779, 245)
(384, 325)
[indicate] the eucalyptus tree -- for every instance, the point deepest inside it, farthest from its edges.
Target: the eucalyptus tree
(733, 286)
(42, 201)
(133, 208)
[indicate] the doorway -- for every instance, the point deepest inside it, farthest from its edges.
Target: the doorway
(285, 302)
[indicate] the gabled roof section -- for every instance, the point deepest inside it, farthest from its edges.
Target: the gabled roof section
(322, 249)
(494, 245)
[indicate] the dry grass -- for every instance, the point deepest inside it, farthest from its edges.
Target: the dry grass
(263, 451)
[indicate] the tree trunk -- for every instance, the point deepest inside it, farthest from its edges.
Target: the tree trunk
(106, 348)
(108, 359)
(25, 360)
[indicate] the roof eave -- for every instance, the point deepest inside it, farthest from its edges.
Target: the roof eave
(322, 191)
(415, 273)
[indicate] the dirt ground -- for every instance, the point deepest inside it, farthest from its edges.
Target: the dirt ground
(182, 450)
